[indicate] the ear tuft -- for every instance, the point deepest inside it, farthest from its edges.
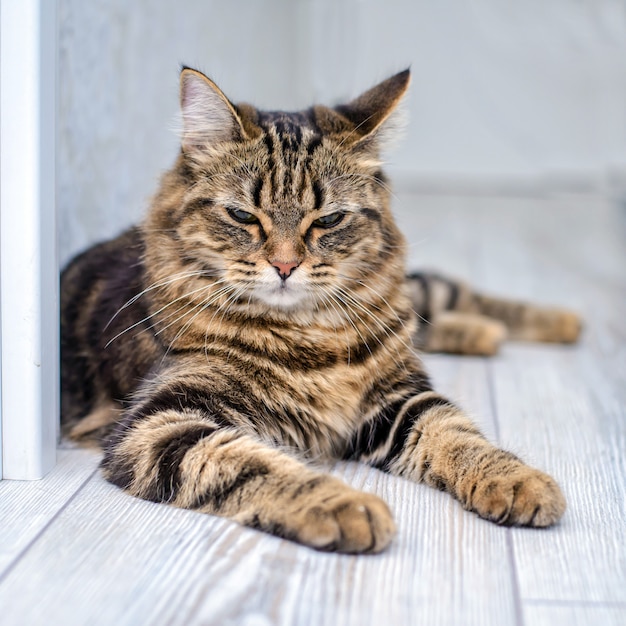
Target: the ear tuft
(208, 115)
(371, 109)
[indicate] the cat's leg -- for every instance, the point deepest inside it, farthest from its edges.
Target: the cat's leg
(464, 333)
(529, 322)
(454, 318)
(96, 425)
(429, 439)
(191, 460)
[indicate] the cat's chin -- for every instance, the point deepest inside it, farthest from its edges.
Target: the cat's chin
(281, 298)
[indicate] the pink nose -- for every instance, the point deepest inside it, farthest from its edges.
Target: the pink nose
(284, 269)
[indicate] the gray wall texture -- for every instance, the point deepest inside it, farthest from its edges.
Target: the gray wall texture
(518, 92)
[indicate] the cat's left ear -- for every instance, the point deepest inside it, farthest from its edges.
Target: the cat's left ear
(208, 116)
(371, 113)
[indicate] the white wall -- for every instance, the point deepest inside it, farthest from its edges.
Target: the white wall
(505, 94)
(501, 89)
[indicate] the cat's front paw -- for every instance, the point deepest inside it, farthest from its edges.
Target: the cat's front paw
(345, 521)
(525, 497)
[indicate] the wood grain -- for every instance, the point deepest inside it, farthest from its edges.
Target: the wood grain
(566, 406)
(575, 615)
(26, 507)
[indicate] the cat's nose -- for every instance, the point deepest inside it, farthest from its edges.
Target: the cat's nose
(284, 269)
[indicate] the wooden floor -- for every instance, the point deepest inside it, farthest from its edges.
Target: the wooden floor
(75, 550)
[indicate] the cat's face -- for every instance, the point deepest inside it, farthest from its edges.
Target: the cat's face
(288, 210)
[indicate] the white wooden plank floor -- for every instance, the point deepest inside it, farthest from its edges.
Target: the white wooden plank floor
(75, 550)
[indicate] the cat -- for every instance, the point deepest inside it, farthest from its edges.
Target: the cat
(260, 317)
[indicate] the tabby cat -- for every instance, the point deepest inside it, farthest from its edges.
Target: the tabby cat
(261, 316)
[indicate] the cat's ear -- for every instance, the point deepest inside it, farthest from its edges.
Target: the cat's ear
(208, 116)
(371, 113)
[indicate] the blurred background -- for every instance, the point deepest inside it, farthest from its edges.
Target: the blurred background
(515, 98)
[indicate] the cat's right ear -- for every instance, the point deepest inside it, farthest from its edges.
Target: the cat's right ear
(208, 116)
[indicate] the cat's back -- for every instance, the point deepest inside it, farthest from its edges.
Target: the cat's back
(117, 260)
(98, 307)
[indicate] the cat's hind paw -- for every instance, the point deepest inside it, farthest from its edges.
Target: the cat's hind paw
(550, 326)
(566, 327)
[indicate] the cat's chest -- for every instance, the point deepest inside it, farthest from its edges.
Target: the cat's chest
(313, 409)
(305, 388)
(320, 374)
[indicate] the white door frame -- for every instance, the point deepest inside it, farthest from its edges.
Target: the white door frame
(28, 252)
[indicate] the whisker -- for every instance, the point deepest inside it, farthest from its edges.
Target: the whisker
(357, 175)
(326, 301)
(204, 303)
(342, 304)
(382, 326)
(161, 320)
(185, 295)
(190, 321)
(226, 305)
(382, 298)
(367, 119)
(156, 285)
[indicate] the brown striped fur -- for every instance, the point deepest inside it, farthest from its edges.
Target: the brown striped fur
(261, 316)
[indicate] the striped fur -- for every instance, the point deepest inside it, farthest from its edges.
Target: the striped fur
(261, 316)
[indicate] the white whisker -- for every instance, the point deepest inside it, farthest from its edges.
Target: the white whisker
(325, 297)
(185, 295)
(206, 305)
(385, 328)
(203, 304)
(156, 285)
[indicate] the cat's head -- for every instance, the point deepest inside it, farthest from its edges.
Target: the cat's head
(288, 209)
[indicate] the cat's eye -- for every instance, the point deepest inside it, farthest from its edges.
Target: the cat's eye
(242, 216)
(327, 221)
